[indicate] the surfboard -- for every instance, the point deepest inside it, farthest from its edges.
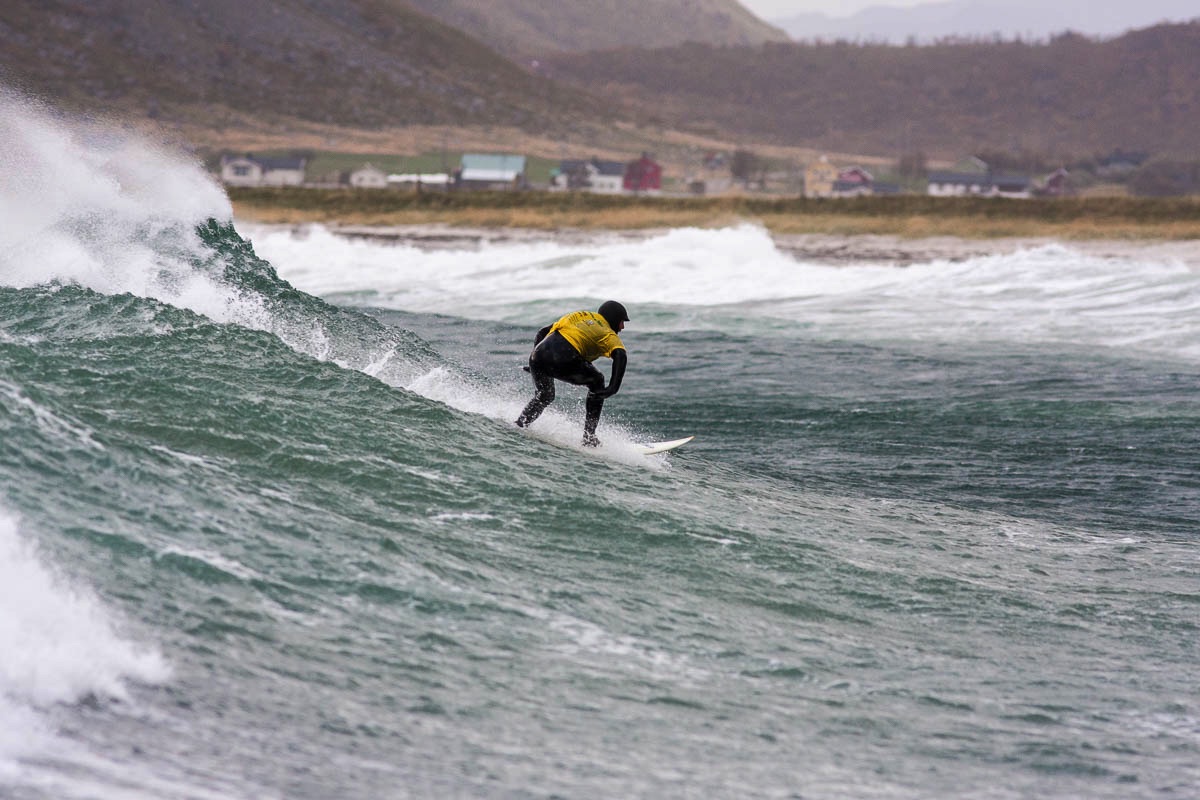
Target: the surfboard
(662, 447)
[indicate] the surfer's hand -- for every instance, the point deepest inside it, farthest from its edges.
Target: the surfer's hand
(607, 391)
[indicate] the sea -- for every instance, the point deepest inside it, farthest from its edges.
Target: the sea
(267, 529)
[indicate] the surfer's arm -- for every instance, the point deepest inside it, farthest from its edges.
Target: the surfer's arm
(619, 359)
(542, 334)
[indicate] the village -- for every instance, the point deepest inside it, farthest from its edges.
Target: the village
(970, 177)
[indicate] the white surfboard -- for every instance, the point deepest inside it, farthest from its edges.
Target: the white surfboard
(662, 447)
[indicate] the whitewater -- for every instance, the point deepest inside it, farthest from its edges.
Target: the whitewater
(267, 529)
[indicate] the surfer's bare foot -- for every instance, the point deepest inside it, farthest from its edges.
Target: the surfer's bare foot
(590, 440)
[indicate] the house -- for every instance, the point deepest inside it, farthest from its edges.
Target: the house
(248, 170)
(1017, 186)
(593, 175)
(853, 182)
(368, 177)
(973, 184)
(491, 171)
(419, 180)
(643, 176)
(1056, 184)
(819, 178)
(959, 184)
(856, 175)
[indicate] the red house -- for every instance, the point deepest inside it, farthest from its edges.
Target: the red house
(857, 176)
(643, 175)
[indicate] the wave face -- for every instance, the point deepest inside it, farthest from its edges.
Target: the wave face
(266, 529)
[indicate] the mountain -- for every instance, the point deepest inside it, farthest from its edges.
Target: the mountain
(983, 19)
(227, 66)
(1069, 96)
(527, 29)
(365, 63)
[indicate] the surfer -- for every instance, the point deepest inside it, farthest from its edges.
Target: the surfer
(566, 350)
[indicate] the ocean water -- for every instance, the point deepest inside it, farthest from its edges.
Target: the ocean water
(267, 529)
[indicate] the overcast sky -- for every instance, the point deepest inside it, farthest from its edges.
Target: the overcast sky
(778, 9)
(1152, 10)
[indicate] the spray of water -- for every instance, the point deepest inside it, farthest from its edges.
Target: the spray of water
(86, 204)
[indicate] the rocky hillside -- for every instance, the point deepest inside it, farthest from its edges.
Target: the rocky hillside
(381, 64)
(1069, 96)
(526, 29)
(367, 63)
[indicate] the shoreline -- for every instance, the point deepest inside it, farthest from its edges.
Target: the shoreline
(889, 229)
(821, 248)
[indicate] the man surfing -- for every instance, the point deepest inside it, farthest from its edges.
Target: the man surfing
(565, 351)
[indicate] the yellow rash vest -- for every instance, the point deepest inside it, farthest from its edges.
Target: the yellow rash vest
(589, 333)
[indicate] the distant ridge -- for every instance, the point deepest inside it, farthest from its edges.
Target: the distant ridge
(1071, 96)
(983, 19)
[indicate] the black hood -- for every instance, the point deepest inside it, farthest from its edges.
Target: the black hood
(614, 313)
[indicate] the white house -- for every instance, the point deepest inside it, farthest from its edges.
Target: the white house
(368, 177)
(492, 171)
(959, 184)
(1016, 186)
(969, 184)
(249, 170)
(593, 175)
(240, 171)
(433, 180)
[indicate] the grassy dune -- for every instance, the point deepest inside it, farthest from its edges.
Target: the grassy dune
(912, 216)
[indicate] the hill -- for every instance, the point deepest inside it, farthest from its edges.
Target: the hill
(364, 63)
(533, 28)
(225, 66)
(1069, 96)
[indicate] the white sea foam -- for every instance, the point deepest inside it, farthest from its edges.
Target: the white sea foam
(58, 644)
(88, 205)
(680, 267)
(558, 425)
(113, 212)
(1054, 294)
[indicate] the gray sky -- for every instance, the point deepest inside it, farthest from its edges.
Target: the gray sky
(778, 9)
(1145, 12)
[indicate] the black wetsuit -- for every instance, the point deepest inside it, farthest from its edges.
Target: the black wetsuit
(554, 357)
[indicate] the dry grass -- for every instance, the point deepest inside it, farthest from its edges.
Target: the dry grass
(913, 217)
(919, 227)
(530, 218)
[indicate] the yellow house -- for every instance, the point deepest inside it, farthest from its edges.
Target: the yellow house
(819, 178)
